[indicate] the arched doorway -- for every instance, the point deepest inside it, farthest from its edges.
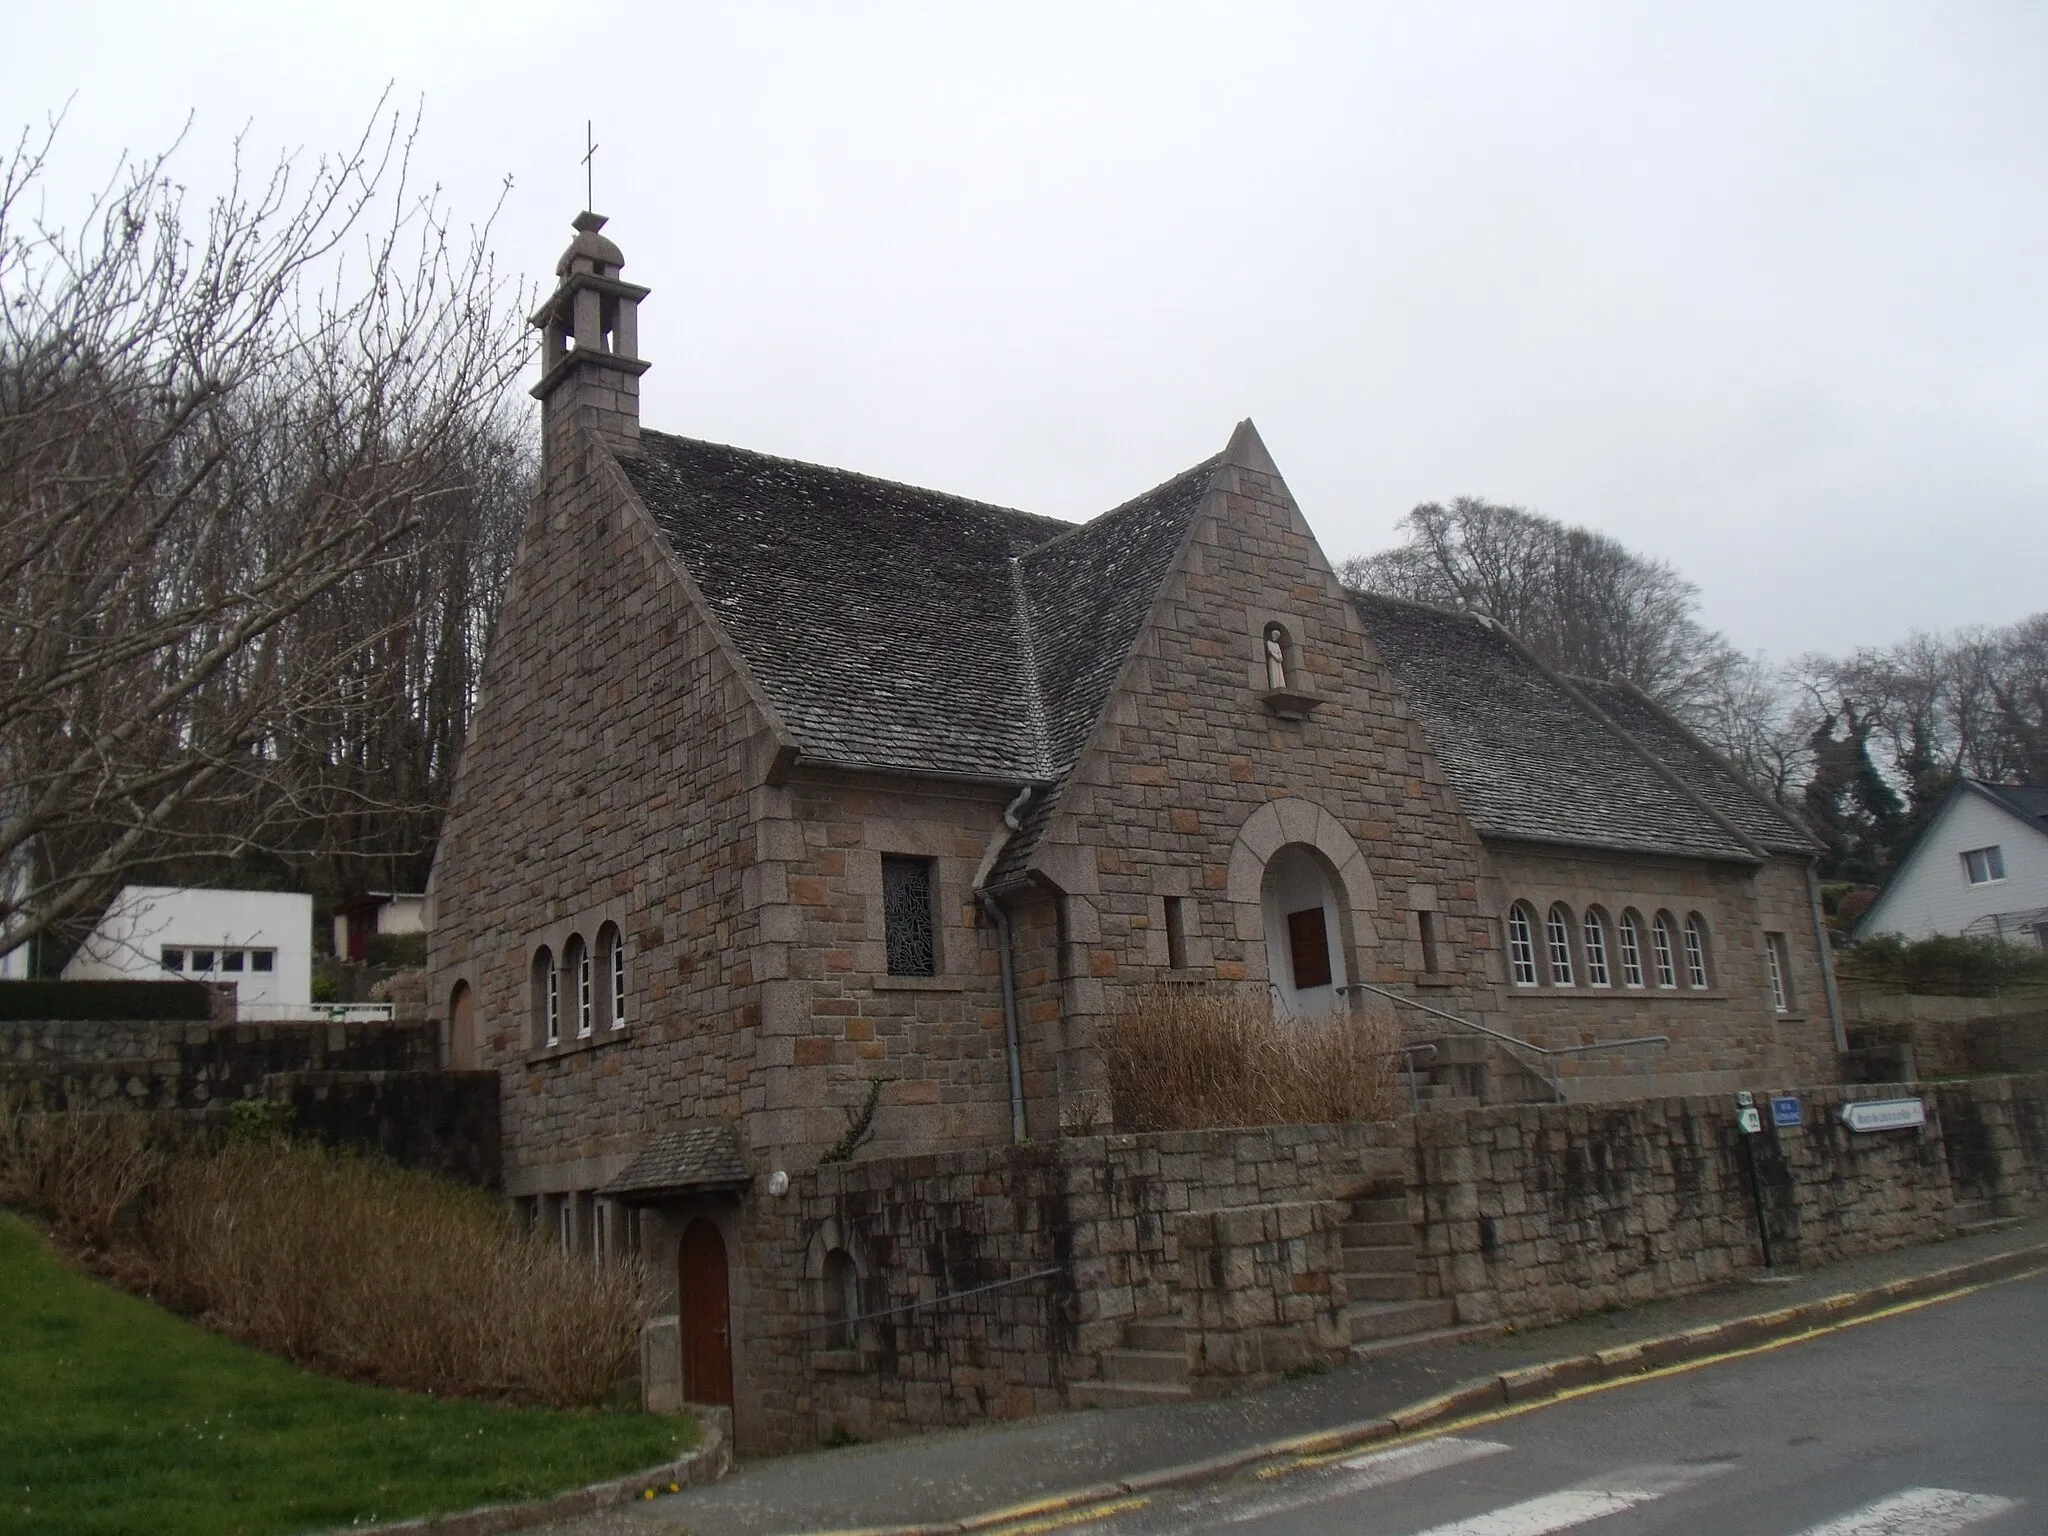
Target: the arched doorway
(1304, 935)
(462, 1051)
(706, 1306)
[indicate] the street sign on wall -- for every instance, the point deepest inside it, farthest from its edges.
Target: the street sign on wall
(1785, 1111)
(1884, 1114)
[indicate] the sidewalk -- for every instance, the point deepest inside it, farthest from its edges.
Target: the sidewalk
(956, 1474)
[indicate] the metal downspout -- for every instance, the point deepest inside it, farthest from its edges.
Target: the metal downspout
(1827, 961)
(1010, 1035)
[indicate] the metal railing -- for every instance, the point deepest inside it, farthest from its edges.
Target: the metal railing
(1546, 1055)
(314, 1013)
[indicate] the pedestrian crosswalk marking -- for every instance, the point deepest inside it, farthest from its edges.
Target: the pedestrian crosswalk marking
(1570, 1507)
(1916, 1512)
(1377, 1469)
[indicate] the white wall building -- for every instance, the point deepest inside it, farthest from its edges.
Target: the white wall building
(376, 912)
(261, 942)
(1981, 867)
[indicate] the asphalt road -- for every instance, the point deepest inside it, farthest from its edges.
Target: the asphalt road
(1915, 1425)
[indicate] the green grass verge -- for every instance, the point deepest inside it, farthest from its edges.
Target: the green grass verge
(116, 1417)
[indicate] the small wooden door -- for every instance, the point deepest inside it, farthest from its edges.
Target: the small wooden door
(706, 1315)
(462, 1029)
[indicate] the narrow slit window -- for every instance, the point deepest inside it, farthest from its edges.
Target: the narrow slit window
(907, 916)
(1774, 953)
(618, 980)
(1425, 929)
(1308, 948)
(1630, 933)
(842, 1299)
(1593, 935)
(1660, 945)
(1521, 946)
(1176, 933)
(1559, 929)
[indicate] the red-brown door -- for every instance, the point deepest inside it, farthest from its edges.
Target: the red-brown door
(707, 1315)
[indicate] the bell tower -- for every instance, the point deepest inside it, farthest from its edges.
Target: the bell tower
(590, 363)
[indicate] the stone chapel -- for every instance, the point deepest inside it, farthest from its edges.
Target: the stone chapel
(792, 793)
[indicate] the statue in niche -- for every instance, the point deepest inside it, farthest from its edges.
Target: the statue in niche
(1276, 657)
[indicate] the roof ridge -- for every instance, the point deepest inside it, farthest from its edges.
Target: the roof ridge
(1128, 503)
(868, 479)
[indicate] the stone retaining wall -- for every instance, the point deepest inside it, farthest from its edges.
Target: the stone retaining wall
(992, 1282)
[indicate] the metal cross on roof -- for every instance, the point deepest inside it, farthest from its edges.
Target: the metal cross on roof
(589, 168)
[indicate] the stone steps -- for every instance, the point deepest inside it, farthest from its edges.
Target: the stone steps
(1377, 1320)
(1154, 1367)
(1458, 1333)
(1126, 1394)
(1162, 1333)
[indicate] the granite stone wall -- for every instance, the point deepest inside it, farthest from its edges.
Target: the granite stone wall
(993, 1281)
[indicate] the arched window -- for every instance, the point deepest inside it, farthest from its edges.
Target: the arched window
(1276, 657)
(1696, 951)
(611, 975)
(1558, 929)
(841, 1285)
(547, 998)
(1522, 944)
(1660, 947)
(462, 1042)
(576, 961)
(1629, 932)
(1593, 938)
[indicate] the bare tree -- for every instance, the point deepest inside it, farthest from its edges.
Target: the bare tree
(1582, 601)
(228, 446)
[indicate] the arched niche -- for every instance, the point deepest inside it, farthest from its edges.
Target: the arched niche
(1323, 865)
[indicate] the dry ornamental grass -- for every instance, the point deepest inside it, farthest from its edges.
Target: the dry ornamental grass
(347, 1265)
(1195, 1058)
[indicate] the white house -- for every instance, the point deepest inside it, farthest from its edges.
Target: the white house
(1981, 867)
(376, 912)
(261, 942)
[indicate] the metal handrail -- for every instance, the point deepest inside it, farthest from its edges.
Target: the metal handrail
(1515, 1042)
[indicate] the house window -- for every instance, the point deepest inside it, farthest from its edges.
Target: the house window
(601, 1230)
(1308, 948)
(1425, 930)
(262, 959)
(173, 960)
(1781, 970)
(1660, 945)
(1176, 933)
(611, 952)
(203, 959)
(842, 1299)
(1983, 865)
(1558, 928)
(231, 959)
(1696, 951)
(1521, 946)
(576, 957)
(907, 916)
(1630, 931)
(547, 998)
(1593, 934)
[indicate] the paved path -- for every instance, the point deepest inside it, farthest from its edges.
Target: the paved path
(950, 1475)
(1918, 1424)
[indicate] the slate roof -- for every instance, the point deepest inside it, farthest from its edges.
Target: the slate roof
(694, 1157)
(1763, 822)
(1528, 761)
(2029, 802)
(898, 629)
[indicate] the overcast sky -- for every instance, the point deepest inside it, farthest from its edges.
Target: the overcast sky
(1761, 290)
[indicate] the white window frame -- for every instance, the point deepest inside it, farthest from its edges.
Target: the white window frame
(1593, 938)
(1660, 948)
(1629, 930)
(1774, 953)
(1557, 930)
(1521, 947)
(1990, 859)
(618, 980)
(586, 994)
(551, 981)
(1696, 952)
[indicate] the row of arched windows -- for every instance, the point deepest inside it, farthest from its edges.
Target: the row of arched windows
(1558, 949)
(581, 994)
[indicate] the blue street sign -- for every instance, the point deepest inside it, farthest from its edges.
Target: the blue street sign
(1785, 1111)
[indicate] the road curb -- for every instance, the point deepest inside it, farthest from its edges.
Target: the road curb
(710, 1461)
(1504, 1389)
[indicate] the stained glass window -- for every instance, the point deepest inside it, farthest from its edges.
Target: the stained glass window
(907, 916)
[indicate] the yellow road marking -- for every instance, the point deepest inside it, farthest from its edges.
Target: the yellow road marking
(1516, 1410)
(1073, 1517)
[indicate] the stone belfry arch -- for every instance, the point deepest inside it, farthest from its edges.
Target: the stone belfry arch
(590, 362)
